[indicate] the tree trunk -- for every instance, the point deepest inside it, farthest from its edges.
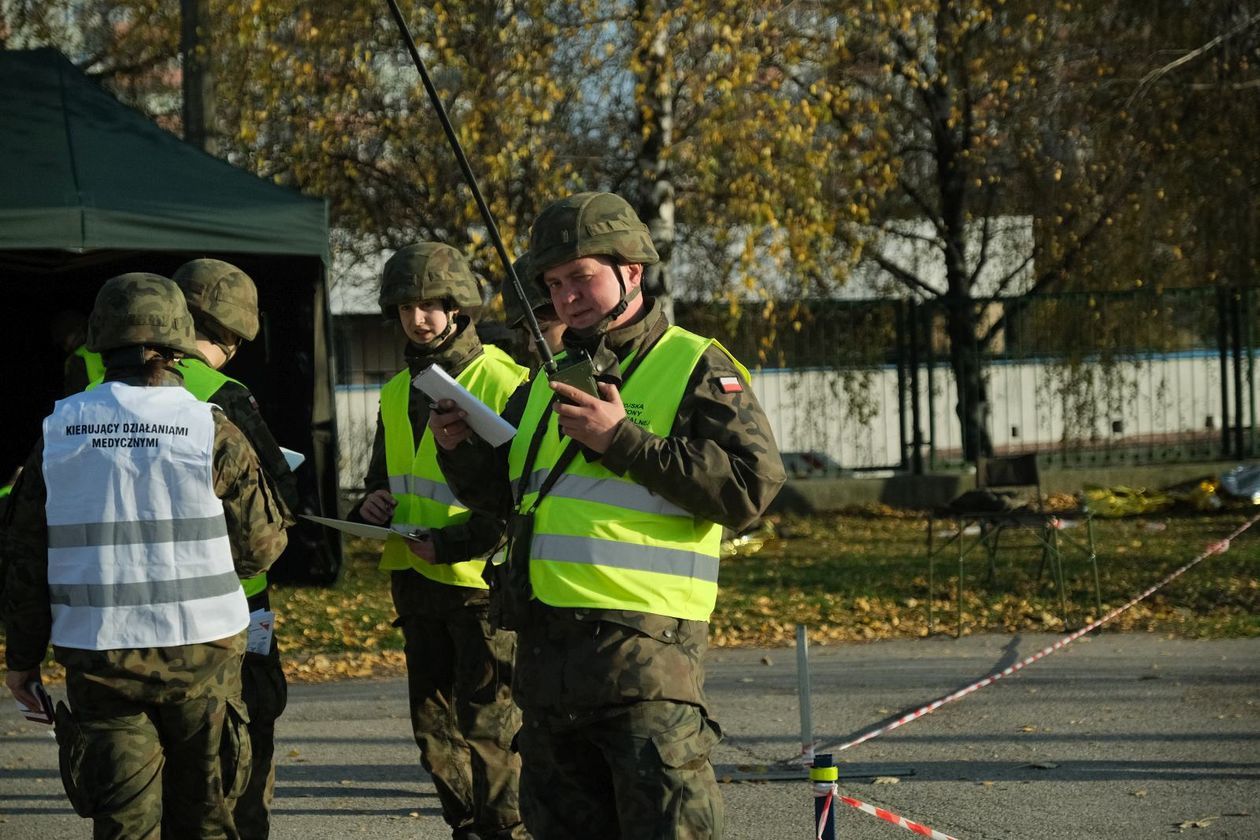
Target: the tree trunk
(656, 127)
(967, 365)
(198, 80)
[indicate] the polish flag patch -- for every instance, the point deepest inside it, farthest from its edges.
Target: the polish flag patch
(729, 384)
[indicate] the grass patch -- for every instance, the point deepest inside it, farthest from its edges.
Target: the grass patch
(856, 577)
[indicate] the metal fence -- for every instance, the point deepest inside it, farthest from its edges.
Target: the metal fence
(1090, 378)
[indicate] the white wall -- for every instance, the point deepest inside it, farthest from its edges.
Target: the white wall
(1156, 400)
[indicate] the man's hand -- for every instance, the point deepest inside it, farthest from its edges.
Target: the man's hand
(589, 420)
(424, 550)
(17, 681)
(447, 423)
(378, 507)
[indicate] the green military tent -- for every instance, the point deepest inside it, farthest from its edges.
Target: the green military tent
(90, 188)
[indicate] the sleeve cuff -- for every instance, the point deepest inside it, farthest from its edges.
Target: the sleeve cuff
(628, 440)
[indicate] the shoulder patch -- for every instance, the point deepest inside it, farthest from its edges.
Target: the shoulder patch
(728, 384)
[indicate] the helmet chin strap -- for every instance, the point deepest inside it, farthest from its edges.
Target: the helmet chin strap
(616, 312)
(452, 324)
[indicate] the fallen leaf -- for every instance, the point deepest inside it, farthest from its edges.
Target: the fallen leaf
(1042, 765)
(887, 780)
(1202, 822)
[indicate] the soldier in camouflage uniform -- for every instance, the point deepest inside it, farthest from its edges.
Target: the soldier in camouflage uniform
(549, 324)
(612, 565)
(139, 595)
(224, 304)
(459, 667)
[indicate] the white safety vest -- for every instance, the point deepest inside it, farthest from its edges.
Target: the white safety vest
(138, 552)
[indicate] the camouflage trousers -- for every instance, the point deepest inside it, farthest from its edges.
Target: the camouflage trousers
(459, 672)
(266, 694)
(640, 773)
(146, 769)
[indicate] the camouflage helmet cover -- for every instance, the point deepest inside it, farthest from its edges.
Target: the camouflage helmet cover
(428, 271)
(140, 309)
(221, 293)
(513, 309)
(585, 225)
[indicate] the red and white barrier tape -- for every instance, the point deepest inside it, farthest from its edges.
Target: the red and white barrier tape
(1219, 547)
(886, 816)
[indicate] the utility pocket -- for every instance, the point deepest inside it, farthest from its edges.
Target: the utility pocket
(263, 687)
(71, 749)
(687, 746)
(235, 753)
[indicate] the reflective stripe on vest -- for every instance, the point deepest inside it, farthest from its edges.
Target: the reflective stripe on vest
(203, 382)
(92, 363)
(424, 499)
(138, 551)
(603, 541)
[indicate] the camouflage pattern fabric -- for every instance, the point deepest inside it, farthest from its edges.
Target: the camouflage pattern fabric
(535, 297)
(585, 225)
(479, 534)
(459, 670)
(266, 693)
(221, 293)
(648, 762)
(264, 686)
(160, 756)
(190, 690)
(141, 309)
(428, 271)
(594, 680)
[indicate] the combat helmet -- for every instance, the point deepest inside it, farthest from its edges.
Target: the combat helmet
(221, 295)
(429, 271)
(587, 225)
(140, 309)
(535, 297)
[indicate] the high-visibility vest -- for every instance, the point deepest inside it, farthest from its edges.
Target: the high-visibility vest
(417, 484)
(601, 540)
(203, 382)
(138, 549)
(92, 363)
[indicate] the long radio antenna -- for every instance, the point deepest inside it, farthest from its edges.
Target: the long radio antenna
(548, 360)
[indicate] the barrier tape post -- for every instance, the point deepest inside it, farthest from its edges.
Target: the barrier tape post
(803, 692)
(1218, 547)
(823, 777)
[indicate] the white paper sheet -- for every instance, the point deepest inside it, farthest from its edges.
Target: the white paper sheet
(293, 459)
(437, 384)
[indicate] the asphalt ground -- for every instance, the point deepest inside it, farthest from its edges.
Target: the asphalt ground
(1117, 736)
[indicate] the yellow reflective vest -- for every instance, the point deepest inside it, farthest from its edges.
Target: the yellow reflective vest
(417, 484)
(92, 363)
(601, 540)
(203, 382)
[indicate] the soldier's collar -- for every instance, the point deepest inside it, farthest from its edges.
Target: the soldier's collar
(453, 355)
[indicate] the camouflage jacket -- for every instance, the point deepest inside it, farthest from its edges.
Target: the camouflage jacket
(720, 462)
(241, 408)
(478, 536)
(255, 530)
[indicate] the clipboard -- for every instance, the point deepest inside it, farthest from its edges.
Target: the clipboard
(362, 529)
(437, 384)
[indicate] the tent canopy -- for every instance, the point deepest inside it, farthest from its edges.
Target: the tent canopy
(90, 189)
(79, 170)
